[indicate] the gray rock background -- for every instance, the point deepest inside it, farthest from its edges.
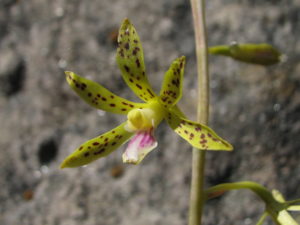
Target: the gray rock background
(257, 109)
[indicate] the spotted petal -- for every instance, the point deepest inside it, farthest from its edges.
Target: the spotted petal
(130, 59)
(171, 90)
(139, 146)
(98, 96)
(198, 135)
(97, 147)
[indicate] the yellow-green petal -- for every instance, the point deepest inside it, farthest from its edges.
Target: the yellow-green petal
(98, 96)
(171, 90)
(97, 147)
(130, 59)
(198, 135)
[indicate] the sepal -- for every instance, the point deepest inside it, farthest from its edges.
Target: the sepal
(198, 135)
(99, 97)
(130, 58)
(97, 147)
(171, 90)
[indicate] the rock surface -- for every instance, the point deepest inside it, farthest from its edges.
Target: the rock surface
(257, 109)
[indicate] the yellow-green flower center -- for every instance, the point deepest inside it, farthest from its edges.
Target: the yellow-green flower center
(146, 118)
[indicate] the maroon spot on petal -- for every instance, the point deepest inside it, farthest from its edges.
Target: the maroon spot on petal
(113, 143)
(101, 137)
(191, 136)
(112, 105)
(215, 139)
(100, 151)
(103, 98)
(126, 68)
(163, 99)
(138, 78)
(139, 86)
(106, 140)
(202, 136)
(89, 147)
(113, 132)
(96, 143)
(121, 53)
(186, 132)
(135, 41)
(123, 109)
(90, 94)
(197, 129)
(112, 97)
(203, 141)
(81, 147)
(120, 136)
(137, 62)
(209, 135)
(127, 46)
(124, 103)
(131, 105)
(86, 154)
(150, 92)
(98, 95)
(131, 80)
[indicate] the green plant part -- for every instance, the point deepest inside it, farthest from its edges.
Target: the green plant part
(282, 217)
(142, 118)
(276, 206)
(262, 54)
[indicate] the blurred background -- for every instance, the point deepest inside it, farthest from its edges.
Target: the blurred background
(42, 120)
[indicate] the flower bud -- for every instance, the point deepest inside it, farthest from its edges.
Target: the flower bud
(262, 54)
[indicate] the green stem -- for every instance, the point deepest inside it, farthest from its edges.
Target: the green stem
(220, 50)
(258, 189)
(198, 162)
(262, 219)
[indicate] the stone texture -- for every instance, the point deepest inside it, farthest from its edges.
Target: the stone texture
(255, 108)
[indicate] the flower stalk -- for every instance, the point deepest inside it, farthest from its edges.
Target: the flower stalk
(198, 161)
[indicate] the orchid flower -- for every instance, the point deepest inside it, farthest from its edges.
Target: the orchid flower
(142, 118)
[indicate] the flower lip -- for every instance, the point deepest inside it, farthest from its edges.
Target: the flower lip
(139, 146)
